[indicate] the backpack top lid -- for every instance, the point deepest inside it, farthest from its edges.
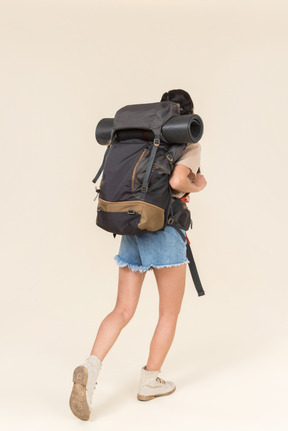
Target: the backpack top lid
(147, 116)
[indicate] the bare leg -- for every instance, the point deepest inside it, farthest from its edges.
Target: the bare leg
(171, 286)
(129, 288)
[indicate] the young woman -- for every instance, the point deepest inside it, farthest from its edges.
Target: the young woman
(165, 253)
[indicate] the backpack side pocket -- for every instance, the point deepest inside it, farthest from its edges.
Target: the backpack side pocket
(181, 214)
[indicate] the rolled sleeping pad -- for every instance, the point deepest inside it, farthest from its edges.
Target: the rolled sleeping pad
(103, 130)
(180, 129)
(183, 129)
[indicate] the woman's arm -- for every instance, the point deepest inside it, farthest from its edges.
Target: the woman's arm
(181, 180)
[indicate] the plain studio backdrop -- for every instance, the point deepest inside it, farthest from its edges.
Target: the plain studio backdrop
(64, 66)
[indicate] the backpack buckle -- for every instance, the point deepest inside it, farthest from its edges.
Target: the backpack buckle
(170, 221)
(97, 193)
(169, 157)
(156, 142)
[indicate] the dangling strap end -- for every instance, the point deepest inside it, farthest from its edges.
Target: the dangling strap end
(194, 272)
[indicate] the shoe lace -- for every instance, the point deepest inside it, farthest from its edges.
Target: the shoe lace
(160, 380)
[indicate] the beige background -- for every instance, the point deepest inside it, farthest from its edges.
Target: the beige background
(64, 66)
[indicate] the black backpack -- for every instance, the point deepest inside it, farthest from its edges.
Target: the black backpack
(134, 194)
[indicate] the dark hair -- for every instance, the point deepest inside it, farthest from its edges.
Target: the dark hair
(181, 97)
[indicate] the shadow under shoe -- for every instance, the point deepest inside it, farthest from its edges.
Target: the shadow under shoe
(152, 386)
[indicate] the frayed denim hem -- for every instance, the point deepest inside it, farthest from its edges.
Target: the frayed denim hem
(170, 266)
(134, 268)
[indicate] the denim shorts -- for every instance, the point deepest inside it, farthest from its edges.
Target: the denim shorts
(159, 249)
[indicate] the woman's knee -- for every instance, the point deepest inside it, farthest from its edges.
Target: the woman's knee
(124, 314)
(168, 319)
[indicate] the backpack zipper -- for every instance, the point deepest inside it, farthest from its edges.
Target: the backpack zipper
(134, 170)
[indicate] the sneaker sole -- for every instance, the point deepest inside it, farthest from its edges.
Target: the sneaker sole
(150, 397)
(78, 401)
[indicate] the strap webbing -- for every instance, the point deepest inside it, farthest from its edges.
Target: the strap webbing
(178, 230)
(156, 144)
(192, 265)
(157, 184)
(102, 166)
(194, 272)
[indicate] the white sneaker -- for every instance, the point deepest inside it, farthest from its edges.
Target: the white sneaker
(152, 386)
(85, 380)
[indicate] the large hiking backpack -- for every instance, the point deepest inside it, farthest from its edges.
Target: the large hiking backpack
(135, 196)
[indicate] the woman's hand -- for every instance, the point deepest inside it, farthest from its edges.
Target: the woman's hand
(182, 180)
(200, 182)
